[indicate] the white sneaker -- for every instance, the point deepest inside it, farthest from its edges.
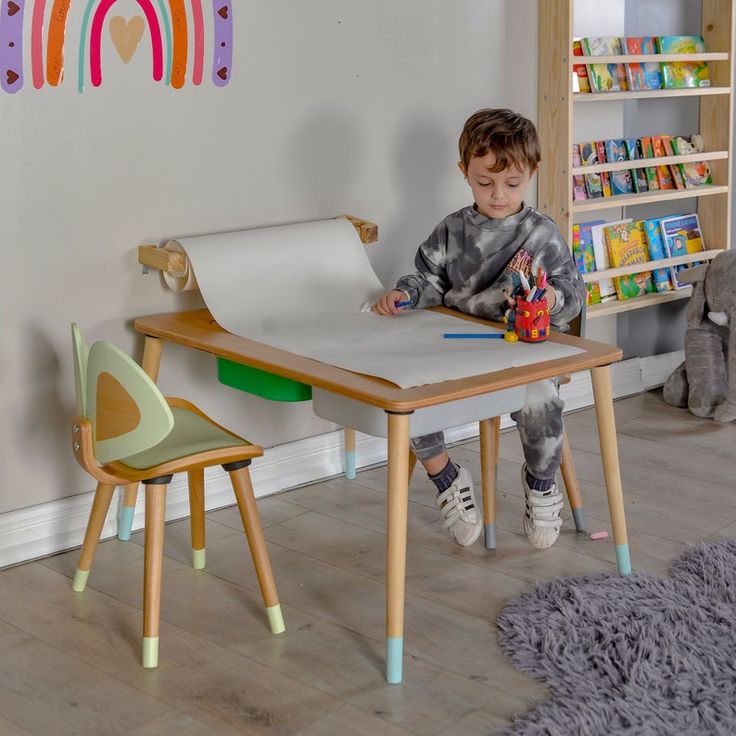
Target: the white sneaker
(542, 520)
(462, 520)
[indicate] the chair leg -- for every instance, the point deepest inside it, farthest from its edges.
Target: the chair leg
(97, 516)
(567, 468)
(349, 438)
(412, 464)
(243, 489)
(152, 569)
(125, 521)
(490, 434)
(196, 518)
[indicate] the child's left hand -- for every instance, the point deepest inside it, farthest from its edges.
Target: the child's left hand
(551, 296)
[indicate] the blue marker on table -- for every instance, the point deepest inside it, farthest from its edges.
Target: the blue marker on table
(474, 335)
(407, 303)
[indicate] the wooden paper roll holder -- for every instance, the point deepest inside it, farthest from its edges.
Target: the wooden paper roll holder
(154, 256)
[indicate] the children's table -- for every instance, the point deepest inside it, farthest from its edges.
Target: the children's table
(198, 330)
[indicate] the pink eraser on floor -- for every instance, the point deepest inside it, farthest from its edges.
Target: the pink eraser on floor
(599, 535)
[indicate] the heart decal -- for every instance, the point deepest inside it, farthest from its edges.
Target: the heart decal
(222, 12)
(126, 35)
(13, 8)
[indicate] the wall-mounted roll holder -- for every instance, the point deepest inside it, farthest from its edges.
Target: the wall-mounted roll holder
(154, 256)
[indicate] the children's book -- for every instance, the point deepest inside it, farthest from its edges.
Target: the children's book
(625, 248)
(600, 146)
(602, 263)
(638, 176)
(605, 77)
(677, 74)
(621, 182)
(675, 171)
(642, 76)
(582, 248)
(578, 180)
(657, 251)
(681, 235)
(589, 157)
(644, 146)
(664, 176)
(580, 83)
(694, 173)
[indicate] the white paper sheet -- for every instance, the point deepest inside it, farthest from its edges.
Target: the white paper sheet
(300, 288)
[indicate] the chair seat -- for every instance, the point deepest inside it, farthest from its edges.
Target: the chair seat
(192, 434)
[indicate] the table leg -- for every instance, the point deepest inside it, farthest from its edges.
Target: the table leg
(349, 436)
(609, 455)
(490, 433)
(397, 511)
(152, 356)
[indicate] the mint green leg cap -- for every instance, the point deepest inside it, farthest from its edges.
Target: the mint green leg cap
(578, 516)
(199, 558)
(350, 464)
(489, 536)
(622, 559)
(80, 580)
(275, 619)
(125, 523)
(394, 659)
(150, 652)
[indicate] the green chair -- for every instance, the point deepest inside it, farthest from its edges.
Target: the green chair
(126, 432)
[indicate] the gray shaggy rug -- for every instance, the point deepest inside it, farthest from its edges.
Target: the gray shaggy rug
(638, 655)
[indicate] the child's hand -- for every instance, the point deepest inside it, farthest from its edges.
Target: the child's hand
(551, 296)
(386, 305)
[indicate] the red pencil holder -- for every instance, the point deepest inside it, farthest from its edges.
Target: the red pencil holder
(531, 321)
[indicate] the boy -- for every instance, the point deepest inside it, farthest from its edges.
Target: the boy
(466, 263)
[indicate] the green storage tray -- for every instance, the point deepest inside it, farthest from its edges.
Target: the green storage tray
(261, 383)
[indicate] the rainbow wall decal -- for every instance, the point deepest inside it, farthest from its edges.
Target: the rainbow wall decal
(169, 22)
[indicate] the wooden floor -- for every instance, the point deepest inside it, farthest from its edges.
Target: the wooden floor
(70, 662)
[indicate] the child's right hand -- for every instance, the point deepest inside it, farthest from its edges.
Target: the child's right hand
(386, 305)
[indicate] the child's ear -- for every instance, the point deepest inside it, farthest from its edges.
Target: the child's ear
(462, 168)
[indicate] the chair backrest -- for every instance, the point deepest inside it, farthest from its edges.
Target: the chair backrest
(81, 354)
(127, 412)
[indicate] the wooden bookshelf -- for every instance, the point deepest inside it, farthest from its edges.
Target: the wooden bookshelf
(558, 108)
(609, 273)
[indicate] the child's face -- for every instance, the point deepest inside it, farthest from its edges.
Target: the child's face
(500, 194)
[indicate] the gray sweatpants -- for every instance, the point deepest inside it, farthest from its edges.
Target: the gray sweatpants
(539, 423)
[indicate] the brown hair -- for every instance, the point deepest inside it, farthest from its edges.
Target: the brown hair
(510, 137)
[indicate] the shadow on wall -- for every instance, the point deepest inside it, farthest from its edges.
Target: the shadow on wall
(42, 431)
(319, 166)
(419, 164)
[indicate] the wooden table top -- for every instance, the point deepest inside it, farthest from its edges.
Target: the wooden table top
(197, 329)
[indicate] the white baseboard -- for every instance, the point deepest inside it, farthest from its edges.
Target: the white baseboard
(38, 531)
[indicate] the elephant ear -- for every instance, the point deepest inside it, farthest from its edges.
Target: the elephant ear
(696, 307)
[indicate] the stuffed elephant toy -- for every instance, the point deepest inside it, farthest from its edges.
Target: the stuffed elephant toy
(705, 382)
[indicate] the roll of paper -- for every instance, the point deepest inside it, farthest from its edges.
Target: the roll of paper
(185, 279)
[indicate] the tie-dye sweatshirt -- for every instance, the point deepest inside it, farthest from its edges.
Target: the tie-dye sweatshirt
(466, 263)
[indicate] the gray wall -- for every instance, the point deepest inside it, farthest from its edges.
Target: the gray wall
(334, 106)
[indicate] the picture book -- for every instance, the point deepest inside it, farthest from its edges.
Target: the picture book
(694, 173)
(681, 235)
(642, 75)
(578, 180)
(621, 182)
(589, 157)
(664, 176)
(605, 77)
(582, 248)
(674, 168)
(580, 83)
(678, 74)
(638, 176)
(657, 251)
(605, 175)
(644, 146)
(626, 248)
(602, 263)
